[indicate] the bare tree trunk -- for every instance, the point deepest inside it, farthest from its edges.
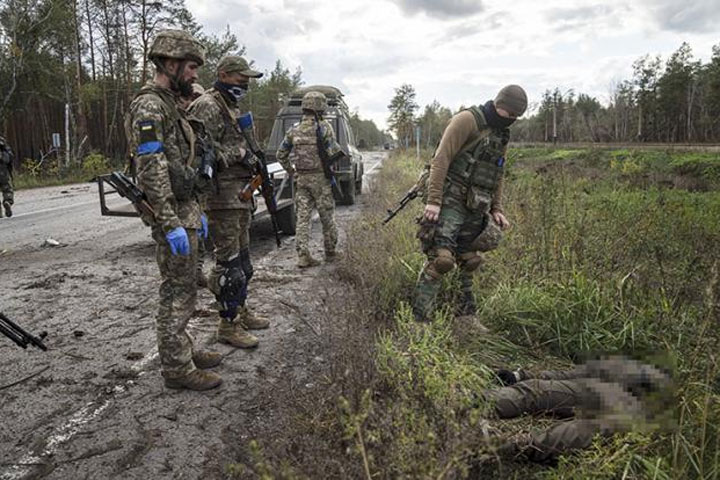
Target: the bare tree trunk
(81, 131)
(91, 38)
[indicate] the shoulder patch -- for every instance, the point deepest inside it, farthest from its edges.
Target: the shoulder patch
(148, 141)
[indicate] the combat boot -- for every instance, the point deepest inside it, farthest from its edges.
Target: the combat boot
(250, 321)
(233, 333)
(8, 209)
(196, 380)
(305, 260)
(204, 359)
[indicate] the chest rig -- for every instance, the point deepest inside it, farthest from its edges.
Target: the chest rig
(476, 169)
(305, 154)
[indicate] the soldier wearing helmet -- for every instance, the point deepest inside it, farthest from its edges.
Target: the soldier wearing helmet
(229, 217)
(298, 153)
(6, 184)
(163, 144)
(463, 214)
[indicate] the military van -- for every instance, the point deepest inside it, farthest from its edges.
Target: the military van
(349, 171)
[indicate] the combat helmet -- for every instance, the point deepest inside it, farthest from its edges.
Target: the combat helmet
(315, 101)
(489, 238)
(176, 44)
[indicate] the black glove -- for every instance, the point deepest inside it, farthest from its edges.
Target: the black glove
(506, 377)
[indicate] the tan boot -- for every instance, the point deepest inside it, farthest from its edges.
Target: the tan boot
(305, 260)
(204, 359)
(233, 333)
(195, 380)
(250, 321)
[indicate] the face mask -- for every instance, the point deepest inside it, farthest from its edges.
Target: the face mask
(237, 92)
(493, 118)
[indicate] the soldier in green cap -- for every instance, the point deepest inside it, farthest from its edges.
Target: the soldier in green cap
(163, 143)
(6, 184)
(229, 217)
(464, 197)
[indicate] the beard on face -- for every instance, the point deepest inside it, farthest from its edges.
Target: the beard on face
(185, 88)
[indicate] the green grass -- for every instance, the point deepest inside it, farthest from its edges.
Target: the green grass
(596, 261)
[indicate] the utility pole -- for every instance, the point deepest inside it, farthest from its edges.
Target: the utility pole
(417, 142)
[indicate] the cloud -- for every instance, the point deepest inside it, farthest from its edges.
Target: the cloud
(691, 16)
(447, 9)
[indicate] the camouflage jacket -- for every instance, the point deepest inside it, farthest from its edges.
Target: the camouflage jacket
(219, 114)
(300, 147)
(163, 145)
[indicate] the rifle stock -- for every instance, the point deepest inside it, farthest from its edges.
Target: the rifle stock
(18, 335)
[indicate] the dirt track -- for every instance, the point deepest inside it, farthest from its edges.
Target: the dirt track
(93, 406)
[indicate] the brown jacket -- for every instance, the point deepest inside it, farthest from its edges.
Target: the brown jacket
(461, 131)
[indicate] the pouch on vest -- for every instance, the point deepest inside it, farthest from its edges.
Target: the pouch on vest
(182, 181)
(478, 199)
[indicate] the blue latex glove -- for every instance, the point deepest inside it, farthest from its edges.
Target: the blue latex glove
(178, 240)
(203, 232)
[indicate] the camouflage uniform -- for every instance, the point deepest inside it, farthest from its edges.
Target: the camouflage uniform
(604, 396)
(465, 182)
(470, 186)
(229, 217)
(313, 189)
(6, 183)
(163, 142)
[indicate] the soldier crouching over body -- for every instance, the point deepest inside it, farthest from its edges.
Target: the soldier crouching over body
(167, 170)
(609, 395)
(463, 199)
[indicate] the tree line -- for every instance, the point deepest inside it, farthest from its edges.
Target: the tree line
(674, 101)
(72, 67)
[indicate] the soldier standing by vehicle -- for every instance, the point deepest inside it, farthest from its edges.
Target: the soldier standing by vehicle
(6, 184)
(229, 216)
(164, 145)
(464, 196)
(301, 147)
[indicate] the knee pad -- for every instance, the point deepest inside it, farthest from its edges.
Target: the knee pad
(443, 263)
(233, 287)
(246, 264)
(471, 261)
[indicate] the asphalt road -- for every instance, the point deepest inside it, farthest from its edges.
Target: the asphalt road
(93, 405)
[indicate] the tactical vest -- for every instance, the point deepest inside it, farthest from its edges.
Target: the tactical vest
(305, 154)
(181, 169)
(477, 168)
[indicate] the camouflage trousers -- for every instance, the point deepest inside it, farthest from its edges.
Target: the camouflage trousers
(313, 191)
(455, 231)
(178, 290)
(6, 184)
(601, 408)
(230, 232)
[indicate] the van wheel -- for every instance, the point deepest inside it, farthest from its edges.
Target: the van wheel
(286, 219)
(348, 189)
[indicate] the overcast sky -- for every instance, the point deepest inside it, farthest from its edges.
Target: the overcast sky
(461, 52)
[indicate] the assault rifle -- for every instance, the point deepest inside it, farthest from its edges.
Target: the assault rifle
(262, 178)
(127, 189)
(326, 160)
(409, 196)
(16, 333)
(412, 194)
